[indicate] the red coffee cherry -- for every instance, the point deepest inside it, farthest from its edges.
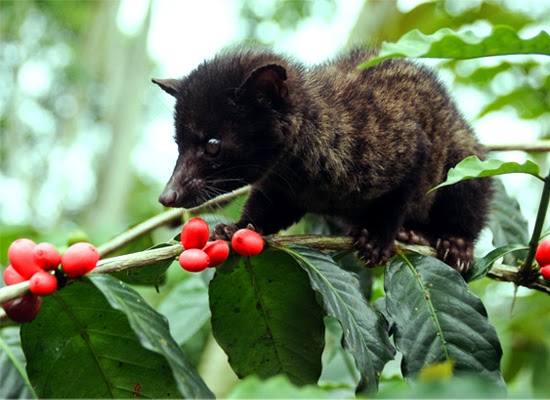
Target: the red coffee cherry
(543, 253)
(11, 276)
(46, 256)
(79, 259)
(194, 234)
(217, 251)
(24, 309)
(194, 260)
(21, 257)
(43, 283)
(545, 272)
(247, 242)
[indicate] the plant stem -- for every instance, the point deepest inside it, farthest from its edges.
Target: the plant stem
(537, 230)
(541, 146)
(162, 219)
(136, 260)
(507, 273)
(14, 291)
(147, 257)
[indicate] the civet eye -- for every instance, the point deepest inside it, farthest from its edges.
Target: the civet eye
(213, 146)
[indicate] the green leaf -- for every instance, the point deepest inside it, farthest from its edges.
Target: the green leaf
(472, 167)
(266, 318)
(530, 103)
(437, 318)
(446, 43)
(14, 383)
(152, 274)
(348, 261)
(483, 265)
(482, 76)
(186, 308)
(507, 223)
(339, 370)
(457, 387)
(278, 387)
(79, 347)
(365, 331)
(153, 333)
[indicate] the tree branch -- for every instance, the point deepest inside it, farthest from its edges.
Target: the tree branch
(539, 146)
(539, 223)
(140, 259)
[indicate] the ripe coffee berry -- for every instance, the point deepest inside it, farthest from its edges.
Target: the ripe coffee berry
(247, 242)
(79, 259)
(46, 256)
(24, 309)
(11, 276)
(43, 283)
(194, 260)
(545, 272)
(20, 254)
(543, 253)
(217, 251)
(194, 234)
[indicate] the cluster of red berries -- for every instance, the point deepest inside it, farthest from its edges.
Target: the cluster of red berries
(199, 254)
(543, 258)
(37, 263)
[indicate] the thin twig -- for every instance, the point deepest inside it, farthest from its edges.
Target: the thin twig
(539, 223)
(506, 273)
(14, 291)
(136, 260)
(539, 146)
(162, 219)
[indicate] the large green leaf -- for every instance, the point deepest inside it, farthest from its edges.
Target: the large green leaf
(339, 370)
(437, 318)
(455, 387)
(482, 76)
(507, 223)
(446, 43)
(277, 387)
(529, 102)
(472, 167)
(14, 383)
(365, 331)
(153, 333)
(80, 347)
(186, 307)
(266, 318)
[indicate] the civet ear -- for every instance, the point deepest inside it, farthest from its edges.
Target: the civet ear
(268, 81)
(170, 86)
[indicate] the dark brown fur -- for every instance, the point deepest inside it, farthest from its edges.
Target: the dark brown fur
(363, 146)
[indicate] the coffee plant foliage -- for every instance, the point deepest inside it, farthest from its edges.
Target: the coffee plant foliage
(293, 320)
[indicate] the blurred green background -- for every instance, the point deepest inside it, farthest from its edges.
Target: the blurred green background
(86, 139)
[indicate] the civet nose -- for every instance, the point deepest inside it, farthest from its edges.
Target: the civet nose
(168, 197)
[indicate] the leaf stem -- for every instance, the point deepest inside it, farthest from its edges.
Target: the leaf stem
(537, 230)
